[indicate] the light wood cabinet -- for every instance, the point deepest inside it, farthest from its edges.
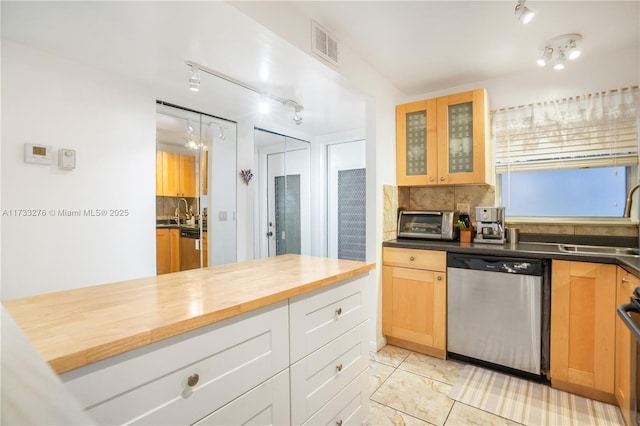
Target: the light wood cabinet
(444, 141)
(626, 284)
(583, 313)
(167, 250)
(175, 175)
(414, 299)
(205, 249)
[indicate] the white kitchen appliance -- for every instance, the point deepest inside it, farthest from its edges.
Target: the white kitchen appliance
(490, 225)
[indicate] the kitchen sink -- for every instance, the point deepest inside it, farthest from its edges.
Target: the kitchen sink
(601, 250)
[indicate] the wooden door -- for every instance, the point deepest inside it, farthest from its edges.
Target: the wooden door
(626, 283)
(462, 135)
(414, 308)
(163, 251)
(171, 174)
(188, 176)
(416, 143)
(583, 328)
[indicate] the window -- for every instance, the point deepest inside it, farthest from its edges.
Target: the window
(571, 158)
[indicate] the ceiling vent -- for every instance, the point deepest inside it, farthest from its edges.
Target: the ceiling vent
(323, 44)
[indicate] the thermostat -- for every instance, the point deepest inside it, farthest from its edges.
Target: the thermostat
(37, 154)
(67, 159)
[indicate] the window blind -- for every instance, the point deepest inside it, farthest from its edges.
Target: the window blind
(595, 130)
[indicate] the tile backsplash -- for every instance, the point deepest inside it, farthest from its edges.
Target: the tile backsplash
(449, 197)
(166, 207)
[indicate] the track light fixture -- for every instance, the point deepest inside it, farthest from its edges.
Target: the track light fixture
(195, 71)
(194, 80)
(557, 50)
(523, 13)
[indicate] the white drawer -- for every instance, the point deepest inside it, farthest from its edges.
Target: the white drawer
(149, 385)
(317, 378)
(349, 407)
(267, 404)
(321, 316)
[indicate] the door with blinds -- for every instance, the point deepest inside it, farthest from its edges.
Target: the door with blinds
(346, 201)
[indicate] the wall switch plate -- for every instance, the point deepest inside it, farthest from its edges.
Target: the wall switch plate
(222, 216)
(463, 207)
(67, 159)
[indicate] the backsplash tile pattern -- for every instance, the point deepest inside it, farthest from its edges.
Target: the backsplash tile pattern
(448, 197)
(166, 207)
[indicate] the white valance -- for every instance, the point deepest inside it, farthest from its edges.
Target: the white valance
(592, 130)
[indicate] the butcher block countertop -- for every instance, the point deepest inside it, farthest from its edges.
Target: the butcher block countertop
(77, 327)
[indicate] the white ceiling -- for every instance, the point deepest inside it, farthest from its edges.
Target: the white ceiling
(419, 46)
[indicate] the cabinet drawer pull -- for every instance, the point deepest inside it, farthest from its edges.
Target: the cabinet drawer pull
(625, 281)
(411, 259)
(193, 380)
(339, 311)
(339, 368)
(339, 423)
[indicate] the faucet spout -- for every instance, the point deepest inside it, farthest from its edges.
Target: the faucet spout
(627, 204)
(186, 208)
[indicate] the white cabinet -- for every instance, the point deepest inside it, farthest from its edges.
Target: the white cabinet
(329, 355)
(302, 360)
(182, 379)
(267, 404)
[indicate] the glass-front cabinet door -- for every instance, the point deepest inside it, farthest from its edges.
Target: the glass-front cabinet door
(462, 135)
(444, 141)
(416, 143)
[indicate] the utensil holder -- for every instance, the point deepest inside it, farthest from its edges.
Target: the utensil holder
(466, 235)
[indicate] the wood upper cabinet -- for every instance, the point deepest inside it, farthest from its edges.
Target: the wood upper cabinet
(626, 283)
(583, 314)
(175, 175)
(444, 141)
(414, 299)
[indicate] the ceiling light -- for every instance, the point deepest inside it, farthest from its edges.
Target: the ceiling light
(194, 80)
(297, 115)
(546, 56)
(264, 107)
(558, 49)
(523, 13)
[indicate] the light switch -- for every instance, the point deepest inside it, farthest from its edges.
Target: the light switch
(222, 216)
(67, 159)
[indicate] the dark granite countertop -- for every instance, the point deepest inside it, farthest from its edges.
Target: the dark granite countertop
(535, 250)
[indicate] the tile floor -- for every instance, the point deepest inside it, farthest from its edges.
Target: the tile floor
(409, 388)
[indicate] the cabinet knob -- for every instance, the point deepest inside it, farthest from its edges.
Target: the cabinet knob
(193, 380)
(431, 179)
(339, 423)
(625, 281)
(339, 368)
(439, 278)
(339, 311)
(412, 258)
(441, 178)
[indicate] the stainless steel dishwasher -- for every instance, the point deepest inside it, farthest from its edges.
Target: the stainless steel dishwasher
(498, 312)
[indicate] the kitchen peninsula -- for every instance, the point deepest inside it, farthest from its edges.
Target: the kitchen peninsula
(212, 345)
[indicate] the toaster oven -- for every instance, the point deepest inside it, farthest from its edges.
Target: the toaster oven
(428, 225)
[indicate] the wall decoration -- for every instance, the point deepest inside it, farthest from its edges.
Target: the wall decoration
(246, 175)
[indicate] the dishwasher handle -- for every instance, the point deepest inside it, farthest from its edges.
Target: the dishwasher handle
(623, 313)
(511, 265)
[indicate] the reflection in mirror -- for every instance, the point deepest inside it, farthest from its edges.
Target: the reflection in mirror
(284, 182)
(195, 190)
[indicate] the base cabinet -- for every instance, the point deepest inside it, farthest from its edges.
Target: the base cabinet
(167, 250)
(414, 299)
(583, 313)
(242, 370)
(625, 285)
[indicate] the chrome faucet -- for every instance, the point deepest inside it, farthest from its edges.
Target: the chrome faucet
(186, 209)
(627, 204)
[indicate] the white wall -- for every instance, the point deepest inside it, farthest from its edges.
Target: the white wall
(111, 125)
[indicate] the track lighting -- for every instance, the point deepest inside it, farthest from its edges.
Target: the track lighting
(194, 84)
(523, 13)
(297, 115)
(194, 80)
(559, 49)
(222, 136)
